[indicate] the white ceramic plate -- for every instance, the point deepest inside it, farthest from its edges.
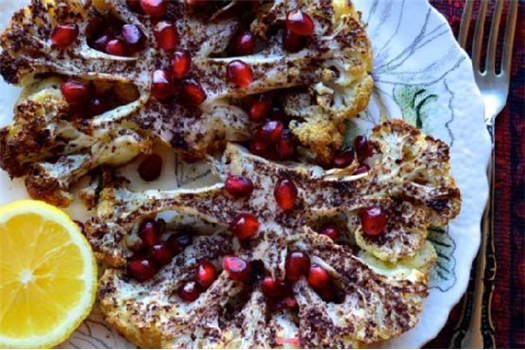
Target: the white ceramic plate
(422, 75)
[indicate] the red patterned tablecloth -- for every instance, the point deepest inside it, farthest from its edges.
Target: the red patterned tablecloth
(508, 306)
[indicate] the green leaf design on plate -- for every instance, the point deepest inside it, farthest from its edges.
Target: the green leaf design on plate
(352, 130)
(443, 275)
(416, 105)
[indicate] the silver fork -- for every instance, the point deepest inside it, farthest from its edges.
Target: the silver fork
(495, 89)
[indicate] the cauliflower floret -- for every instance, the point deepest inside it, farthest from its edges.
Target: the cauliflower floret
(417, 166)
(54, 152)
(423, 261)
(51, 181)
(38, 115)
(368, 312)
(147, 312)
(345, 85)
(405, 233)
(413, 169)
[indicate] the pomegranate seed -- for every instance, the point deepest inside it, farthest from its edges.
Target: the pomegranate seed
(149, 232)
(244, 226)
(297, 265)
(64, 34)
(189, 291)
(293, 42)
(101, 43)
(193, 91)
(75, 92)
(177, 243)
(150, 168)
(300, 23)
(260, 106)
(374, 221)
(273, 288)
(362, 169)
(242, 44)
(206, 273)
(238, 186)
(362, 148)
(327, 293)
(116, 47)
(344, 158)
(239, 73)
(180, 63)
(154, 8)
(290, 302)
(160, 254)
(318, 278)
(238, 269)
(134, 5)
(161, 85)
(261, 145)
(259, 136)
(285, 193)
(132, 36)
(166, 35)
(271, 130)
(141, 269)
(285, 146)
(81, 226)
(331, 231)
(259, 148)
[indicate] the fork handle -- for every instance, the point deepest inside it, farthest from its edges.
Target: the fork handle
(476, 330)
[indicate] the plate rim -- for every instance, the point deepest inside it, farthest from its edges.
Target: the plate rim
(483, 193)
(484, 153)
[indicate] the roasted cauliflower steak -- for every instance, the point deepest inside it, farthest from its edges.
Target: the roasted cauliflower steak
(332, 72)
(381, 279)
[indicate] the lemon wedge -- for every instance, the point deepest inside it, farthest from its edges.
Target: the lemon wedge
(48, 275)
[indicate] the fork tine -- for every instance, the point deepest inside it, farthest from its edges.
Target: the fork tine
(490, 63)
(465, 23)
(509, 38)
(478, 35)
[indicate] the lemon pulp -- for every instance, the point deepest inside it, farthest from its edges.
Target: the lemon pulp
(47, 275)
